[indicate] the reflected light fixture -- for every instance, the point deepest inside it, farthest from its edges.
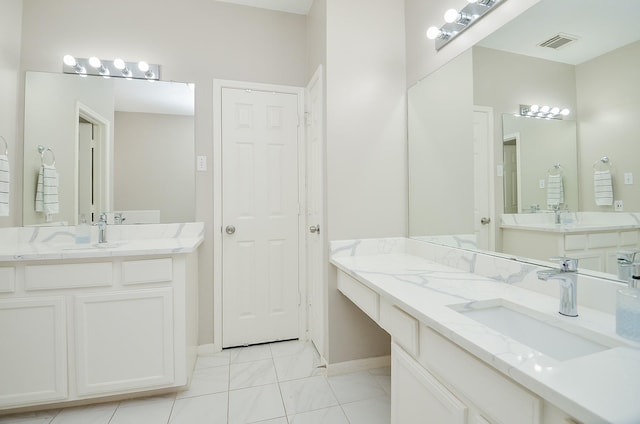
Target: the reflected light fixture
(456, 21)
(110, 68)
(546, 112)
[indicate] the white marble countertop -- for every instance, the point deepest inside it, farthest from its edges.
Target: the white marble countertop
(58, 243)
(598, 388)
(577, 222)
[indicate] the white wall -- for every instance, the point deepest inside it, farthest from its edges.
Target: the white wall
(154, 153)
(366, 148)
(608, 109)
(10, 30)
(441, 151)
(193, 40)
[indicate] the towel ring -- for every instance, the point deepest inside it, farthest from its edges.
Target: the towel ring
(6, 145)
(556, 169)
(44, 150)
(604, 160)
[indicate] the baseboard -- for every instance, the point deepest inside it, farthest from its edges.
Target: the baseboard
(358, 365)
(208, 349)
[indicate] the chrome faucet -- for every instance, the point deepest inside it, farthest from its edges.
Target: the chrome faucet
(102, 228)
(557, 211)
(568, 278)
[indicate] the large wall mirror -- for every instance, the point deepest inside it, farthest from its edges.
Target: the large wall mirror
(115, 145)
(594, 75)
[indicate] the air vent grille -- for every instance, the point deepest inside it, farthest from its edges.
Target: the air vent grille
(558, 41)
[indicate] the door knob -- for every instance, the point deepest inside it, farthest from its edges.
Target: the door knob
(230, 229)
(485, 220)
(314, 229)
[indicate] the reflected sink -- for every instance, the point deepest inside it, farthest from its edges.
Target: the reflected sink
(107, 245)
(514, 322)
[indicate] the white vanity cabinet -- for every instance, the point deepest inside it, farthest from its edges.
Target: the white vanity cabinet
(434, 381)
(81, 329)
(33, 350)
(596, 250)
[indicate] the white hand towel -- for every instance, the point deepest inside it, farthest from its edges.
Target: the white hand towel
(603, 188)
(4, 185)
(555, 190)
(47, 190)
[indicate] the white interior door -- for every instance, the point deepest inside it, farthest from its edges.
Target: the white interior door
(260, 212)
(483, 177)
(85, 170)
(315, 238)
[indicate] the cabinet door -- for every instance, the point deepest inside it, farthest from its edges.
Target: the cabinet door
(124, 341)
(417, 397)
(33, 351)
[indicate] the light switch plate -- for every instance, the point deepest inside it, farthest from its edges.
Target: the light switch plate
(618, 206)
(541, 184)
(201, 163)
(628, 178)
(499, 171)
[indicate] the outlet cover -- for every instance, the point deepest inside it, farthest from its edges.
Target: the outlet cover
(201, 163)
(618, 206)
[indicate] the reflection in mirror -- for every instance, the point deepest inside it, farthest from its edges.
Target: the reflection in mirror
(120, 145)
(594, 76)
(540, 164)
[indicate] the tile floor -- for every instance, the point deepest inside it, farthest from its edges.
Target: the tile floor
(277, 383)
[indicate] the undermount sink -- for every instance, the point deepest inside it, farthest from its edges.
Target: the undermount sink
(523, 326)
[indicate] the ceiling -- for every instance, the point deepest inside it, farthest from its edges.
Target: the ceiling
(300, 7)
(599, 26)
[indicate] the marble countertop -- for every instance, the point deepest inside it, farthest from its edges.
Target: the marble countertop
(569, 228)
(577, 222)
(597, 388)
(58, 243)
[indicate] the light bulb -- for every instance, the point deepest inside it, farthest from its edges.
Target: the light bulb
(544, 109)
(143, 66)
(433, 33)
(565, 112)
(535, 108)
(69, 60)
(95, 62)
(451, 16)
(555, 110)
(119, 63)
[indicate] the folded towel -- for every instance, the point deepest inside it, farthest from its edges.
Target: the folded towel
(555, 190)
(603, 188)
(47, 190)
(4, 185)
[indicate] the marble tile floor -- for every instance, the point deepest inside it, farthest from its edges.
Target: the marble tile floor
(277, 383)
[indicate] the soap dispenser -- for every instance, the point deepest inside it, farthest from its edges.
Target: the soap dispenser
(83, 231)
(628, 307)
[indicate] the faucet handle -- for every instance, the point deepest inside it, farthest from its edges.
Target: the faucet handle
(566, 264)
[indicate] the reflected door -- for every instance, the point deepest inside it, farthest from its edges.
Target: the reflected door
(85, 170)
(484, 226)
(260, 215)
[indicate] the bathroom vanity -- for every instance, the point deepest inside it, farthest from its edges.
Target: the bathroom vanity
(593, 238)
(452, 361)
(85, 321)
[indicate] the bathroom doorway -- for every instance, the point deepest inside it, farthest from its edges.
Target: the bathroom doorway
(261, 219)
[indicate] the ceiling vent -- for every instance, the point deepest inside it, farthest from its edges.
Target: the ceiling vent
(558, 41)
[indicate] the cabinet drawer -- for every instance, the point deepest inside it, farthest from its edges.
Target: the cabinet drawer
(629, 238)
(575, 242)
(7, 279)
(62, 276)
(402, 327)
(147, 271)
(603, 240)
(502, 400)
(358, 293)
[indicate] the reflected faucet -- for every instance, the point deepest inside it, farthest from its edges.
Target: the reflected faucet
(102, 228)
(568, 278)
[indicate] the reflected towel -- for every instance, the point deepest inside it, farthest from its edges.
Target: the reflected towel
(4, 185)
(47, 190)
(555, 190)
(603, 188)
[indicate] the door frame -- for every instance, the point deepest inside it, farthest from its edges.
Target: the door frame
(487, 111)
(218, 85)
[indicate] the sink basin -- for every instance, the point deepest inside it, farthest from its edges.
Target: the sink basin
(523, 326)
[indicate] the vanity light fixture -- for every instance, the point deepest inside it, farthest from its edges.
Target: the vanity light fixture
(110, 68)
(457, 21)
(546, 112)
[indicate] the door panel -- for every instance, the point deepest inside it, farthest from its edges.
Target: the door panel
(260, 200)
